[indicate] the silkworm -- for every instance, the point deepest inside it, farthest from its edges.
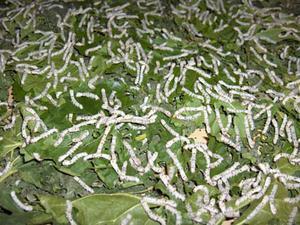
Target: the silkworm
(126, 220)
(293, 215)
(255, 53)
(230, 142)
(257, 209)
(136, 161)
(248, 133)
(228, 75)
(271, 199)
(229, 170)
(199, 71)
(87, 51)
(23, 206)
(83, 184)
(43, 93)
(152, 215)
(11, 124)
(203, 189)
(43, 135)
(294, 200)
(69, 216)
(74, 101)
(175, 212)
(69, 152)
(178, 164)
(87, 94)
(84, 135)
(276, 135)
(171, 189)
(24, 125)
(269, 62)
(268, 122)
(6, 168)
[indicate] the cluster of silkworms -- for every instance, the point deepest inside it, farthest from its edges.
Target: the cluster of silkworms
(236, 101)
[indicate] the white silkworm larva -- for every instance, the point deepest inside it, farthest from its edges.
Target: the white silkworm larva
(160, 201)
(258, 208)
(203, 189)
(126, 220)
(282, 127)
(87, 51)
(87, 94)
(66, 78)
(250, 119)
(104, 97)
(293, 200)
(288, 130)
(281, 155)
(199, 71)
(192, 94)
(23, 206)
(176, 213)
(84, 185)
(229, 142)
(255, 53)
(74, 101)
(37, 156)
(269, 62)
(80, 70)
(84, 135)
(276, 135)
(69, 216)
(151, 159)
(294, 137)
(169, 129)
(262, 111)
(268, 122)
(229, 123)
(24, 125)
(206, 121)
(292, 216)
(171, 189)
(52, 100)
(43, 93)
(84, 69)
(178, 164)
(91, 82)
(227, 171)
(272, 197)
(174, 140)
(44, 135)
(236, 172)
(263, 190)
(69, 152)
(131, 152)
(103, 139)
(6, 169)
(167, 58)
(248, 133)
(218, 118)
(228, 75)
(39, 122)
(152, 215)
(242, 94)
(125, 177)
(11, 124)
(187, 109)
(193, 160)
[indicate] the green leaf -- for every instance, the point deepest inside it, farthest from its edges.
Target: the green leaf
(56, 206)
(109, 209)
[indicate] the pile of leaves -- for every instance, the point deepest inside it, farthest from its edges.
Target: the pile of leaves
(148, 112)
